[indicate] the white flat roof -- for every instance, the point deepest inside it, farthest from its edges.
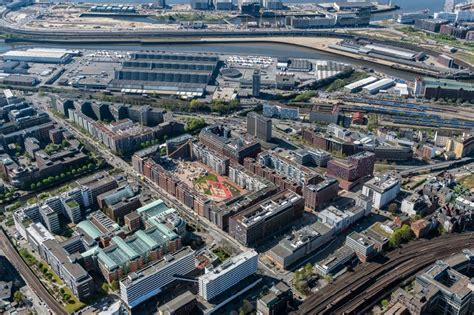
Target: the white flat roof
(38, 52)
(361, 83)
(229, 265)
(379, 84)
(389, 50)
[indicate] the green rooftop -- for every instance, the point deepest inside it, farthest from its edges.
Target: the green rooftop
(153, 208)
(90, 229)
(121, 252)
(72, 203)
(125, 247)
(448, 84)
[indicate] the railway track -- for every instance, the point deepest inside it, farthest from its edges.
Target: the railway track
(355, 292)
(33, 282)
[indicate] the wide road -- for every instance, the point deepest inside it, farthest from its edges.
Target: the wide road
(355, 292)
(434, 167)
(33, 282)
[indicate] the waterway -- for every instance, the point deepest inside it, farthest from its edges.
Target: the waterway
(269, 49)
(406, 5)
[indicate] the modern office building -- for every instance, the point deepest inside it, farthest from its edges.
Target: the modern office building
(37, 234)
(98, 184)
(336, 261)
(340, 219)
(382, 190)
(300, 244)
(430, 25)
(220, 139)
(50, 218)
(124, 256)
(139, 286)
(281, 112)
(216, 281)
(312, 157)
(256, 83)
(259, 126)
(223, 5)
(412, 17)
(353, 169)
(362, 244)
(316, 196)
(273, 161)
(448, 291)
(268, 217)
(119, 202)
(200, 4)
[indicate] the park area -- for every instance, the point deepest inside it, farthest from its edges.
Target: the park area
(217, 187)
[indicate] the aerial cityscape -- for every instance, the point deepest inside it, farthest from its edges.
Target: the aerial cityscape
(241, 157)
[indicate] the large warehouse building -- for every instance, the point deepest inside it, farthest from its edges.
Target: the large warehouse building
(166, 73)
(40, 55)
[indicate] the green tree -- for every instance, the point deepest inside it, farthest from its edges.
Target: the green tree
(308, 270)
(194, 124)
(33, 186)
(402, 234)
(17, 296)
(246, 306)
(114, 285)
(372, 123)
(105, 287)
(393, 207)
(395, 239)
(384, 303)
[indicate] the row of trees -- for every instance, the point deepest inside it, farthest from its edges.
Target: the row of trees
(149, 143)
(67, 174)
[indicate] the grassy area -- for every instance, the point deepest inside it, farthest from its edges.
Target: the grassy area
(467, 181)
(440, 38)
(204, 179)
(221, 253)
(304, 96)
(70, 301)
(383, 167)
(73, 304)
(27, 257)
(377, 228)
(340, 83)
(72, 203)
